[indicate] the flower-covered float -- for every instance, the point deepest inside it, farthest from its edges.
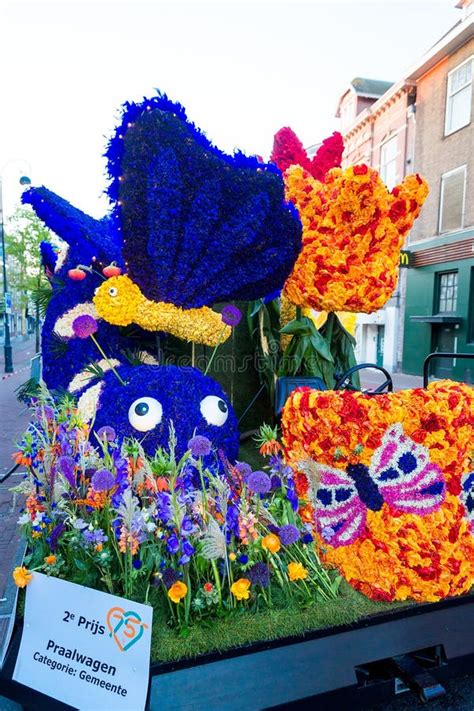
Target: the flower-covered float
(137, 483)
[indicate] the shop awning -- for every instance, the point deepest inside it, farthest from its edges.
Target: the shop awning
(438, 318)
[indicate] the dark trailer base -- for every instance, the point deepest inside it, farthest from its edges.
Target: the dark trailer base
(352, 666)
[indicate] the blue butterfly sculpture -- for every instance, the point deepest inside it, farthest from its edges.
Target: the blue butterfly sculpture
(190, 225)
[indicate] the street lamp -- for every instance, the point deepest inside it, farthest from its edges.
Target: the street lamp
(7, 347)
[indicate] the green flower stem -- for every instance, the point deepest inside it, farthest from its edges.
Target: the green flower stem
(102, 352)
(187, 599)
(215, 349)
(203, 487)
(218, 580)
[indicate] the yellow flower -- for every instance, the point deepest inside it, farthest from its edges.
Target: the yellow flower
(297, 571)
(120, 302)
(271, 543)
(177, 591)
(50, 559)
(232, 556)
(22, 576)
(241, 589)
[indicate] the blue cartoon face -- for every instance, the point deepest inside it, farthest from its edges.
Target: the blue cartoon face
(155, 396)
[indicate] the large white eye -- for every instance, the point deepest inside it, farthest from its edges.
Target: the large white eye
(145, 413)
(214, 410)
(113, 291)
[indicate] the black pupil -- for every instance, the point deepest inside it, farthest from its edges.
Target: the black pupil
(141, 408)
(222, 406)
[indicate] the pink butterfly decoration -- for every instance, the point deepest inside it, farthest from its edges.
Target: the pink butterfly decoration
(400, 474)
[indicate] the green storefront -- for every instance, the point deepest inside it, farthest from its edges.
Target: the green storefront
(439, 306)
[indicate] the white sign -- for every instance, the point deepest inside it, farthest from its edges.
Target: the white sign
(84, 647)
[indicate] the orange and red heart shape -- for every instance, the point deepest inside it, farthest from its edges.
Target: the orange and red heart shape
(388, 481)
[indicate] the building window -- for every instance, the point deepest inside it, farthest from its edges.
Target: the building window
(451, 209)
(459, 97)
(470, 329)
(388, 162)
(447, 292)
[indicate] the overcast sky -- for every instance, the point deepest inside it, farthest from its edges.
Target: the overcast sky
(241, 69)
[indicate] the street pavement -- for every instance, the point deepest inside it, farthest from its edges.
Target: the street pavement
(14, 419)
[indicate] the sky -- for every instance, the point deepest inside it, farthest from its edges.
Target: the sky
(242, 70)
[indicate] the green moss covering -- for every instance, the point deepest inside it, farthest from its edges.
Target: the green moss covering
(251, 627)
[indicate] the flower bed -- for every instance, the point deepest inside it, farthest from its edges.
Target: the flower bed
(199, 538)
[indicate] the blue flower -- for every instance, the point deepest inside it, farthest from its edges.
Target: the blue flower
(137, 564)
(172, 544)
(243, 559)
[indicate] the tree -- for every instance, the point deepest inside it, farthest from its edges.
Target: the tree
(23, 235)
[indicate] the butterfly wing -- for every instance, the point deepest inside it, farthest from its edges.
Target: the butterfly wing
(404, 475)
(340, 513)
(467, 497)
(199, 226)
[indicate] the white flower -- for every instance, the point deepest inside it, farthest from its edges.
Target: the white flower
(87, 403)
(24, 518)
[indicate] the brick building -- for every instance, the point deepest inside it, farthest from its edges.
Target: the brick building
(439, 312)
(423, 123)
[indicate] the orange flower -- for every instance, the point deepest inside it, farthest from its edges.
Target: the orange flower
(50, 559)
(177, 591)
(399, 556)
(353, 231)
(271, 543)
(297, 571)
(22, 459)
(269, 448)
(22, 576)
(241, 589)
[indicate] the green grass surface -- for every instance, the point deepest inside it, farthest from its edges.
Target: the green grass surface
(220, 635)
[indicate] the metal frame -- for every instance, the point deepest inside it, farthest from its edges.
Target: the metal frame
(433, 356)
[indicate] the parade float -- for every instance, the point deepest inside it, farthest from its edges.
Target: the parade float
(327, 551)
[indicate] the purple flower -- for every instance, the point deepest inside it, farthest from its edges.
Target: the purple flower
(259, 574)
(163, 501)
(169, 577)
(292, 498)
(106, 433)
(94, 538)
(327, 533)
(187, 526)
(102, 480)
(84, 326)
(44, 411)
(231, 315)
(259, 482)
(188, 551)
(66, 466)
(243, 469)
(276, 482)
(200, 446)
(288, 534)
(172, 544)
(54, 536)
